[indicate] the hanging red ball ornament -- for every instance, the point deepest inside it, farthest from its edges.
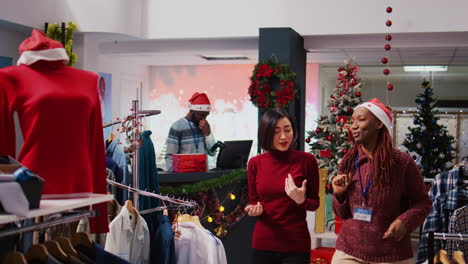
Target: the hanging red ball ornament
(388, 23)
(307, 140)
(384, 60)
(345, 151)
(388, 37)
(349, 110)
(318, 130)
(330, 138)
(332, 96)
(389, 9)
(358, 94)
(388, 47)
(386, 71)
(389, 86)
(329, 187)
(341, 93)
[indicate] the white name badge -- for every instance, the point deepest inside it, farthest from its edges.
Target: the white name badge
(362, 214)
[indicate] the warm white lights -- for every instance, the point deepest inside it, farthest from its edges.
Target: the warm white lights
(424, 68)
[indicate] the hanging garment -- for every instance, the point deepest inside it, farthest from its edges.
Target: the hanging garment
(447, 196)
(129, 237)
(162, 244)
(148, 179)
(197, 245)
(118, 177)
(458, 225)
(59, 113)
(115, 151)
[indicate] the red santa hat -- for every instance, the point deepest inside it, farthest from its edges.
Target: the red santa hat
(40, 47)
(381, 111)
(199, 102)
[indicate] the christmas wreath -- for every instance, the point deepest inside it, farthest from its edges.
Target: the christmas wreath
(264, 78)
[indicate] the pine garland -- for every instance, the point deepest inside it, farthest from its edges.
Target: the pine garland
(54, 31)
(210, 184)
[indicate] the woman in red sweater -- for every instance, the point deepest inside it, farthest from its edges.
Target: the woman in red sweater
(379, 193)
(283, 185)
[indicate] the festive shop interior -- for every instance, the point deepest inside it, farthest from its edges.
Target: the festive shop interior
(169, 132)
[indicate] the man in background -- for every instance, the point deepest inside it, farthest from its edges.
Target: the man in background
(191, 134)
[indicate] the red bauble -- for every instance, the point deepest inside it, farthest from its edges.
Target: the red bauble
(329, 187)
(388, 47)
(358, 94)
(386, 71)
(388, 23)
(389, 86)
(345, 151)
(349, 110)
(384, 60)
(318, 130)
(341, 93)
(307, 140)
(388, 37)
(389, 9)
(340, 69)
(332, 96)
(330, 138)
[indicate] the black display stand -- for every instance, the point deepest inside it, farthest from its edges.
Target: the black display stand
(238, 241)
(286, 46)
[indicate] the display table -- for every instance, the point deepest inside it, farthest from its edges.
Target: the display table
(52, 206)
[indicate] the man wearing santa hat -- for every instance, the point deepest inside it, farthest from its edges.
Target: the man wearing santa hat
(191, 134)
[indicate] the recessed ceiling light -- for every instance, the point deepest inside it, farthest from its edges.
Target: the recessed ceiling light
(424, 68)
(224, 57)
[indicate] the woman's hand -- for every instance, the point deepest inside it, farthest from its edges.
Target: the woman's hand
(297, 194)
(397, 230)
(341, 183)
(254, 210)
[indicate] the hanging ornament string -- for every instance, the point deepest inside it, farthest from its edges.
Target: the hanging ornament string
(387, 47)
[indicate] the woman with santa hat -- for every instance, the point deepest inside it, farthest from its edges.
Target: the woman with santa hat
(379, 193)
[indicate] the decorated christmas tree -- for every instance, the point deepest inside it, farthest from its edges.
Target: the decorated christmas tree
(428, 142)
(331, 139)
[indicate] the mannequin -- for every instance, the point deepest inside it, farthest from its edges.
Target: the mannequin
(60, 117)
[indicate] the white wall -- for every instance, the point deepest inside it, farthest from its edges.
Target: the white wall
(117, 16)
(214, 18)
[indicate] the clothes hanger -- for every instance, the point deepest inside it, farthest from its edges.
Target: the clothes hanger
(458, 256)
(15, 258)
(83, 239)
(67, 246)
(37, 252)
(130, 207)
(53, 247)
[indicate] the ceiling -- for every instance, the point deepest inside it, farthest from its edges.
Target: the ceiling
(444, 48)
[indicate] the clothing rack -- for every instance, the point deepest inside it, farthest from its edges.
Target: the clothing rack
(173, 200)
(142, 113)
(441, 236)
(53, 222)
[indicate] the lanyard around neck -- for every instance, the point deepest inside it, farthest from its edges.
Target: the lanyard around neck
(363, 191)
(196, 140)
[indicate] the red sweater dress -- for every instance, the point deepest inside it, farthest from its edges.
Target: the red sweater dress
(60, 117)
(282, 227)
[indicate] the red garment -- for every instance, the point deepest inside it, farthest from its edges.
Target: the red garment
(282, 226)
(406, 199)
(60, 117)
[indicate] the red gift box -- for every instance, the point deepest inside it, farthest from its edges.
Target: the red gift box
(188, 162)
(322, 254)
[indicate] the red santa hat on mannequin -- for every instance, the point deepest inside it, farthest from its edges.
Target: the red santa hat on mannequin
(40, 47)
(381, 111)
(199, 102)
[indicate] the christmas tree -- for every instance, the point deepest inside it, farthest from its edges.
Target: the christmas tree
(428, 142)
(332, 137)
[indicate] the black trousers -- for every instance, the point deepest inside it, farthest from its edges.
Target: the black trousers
(273, 257)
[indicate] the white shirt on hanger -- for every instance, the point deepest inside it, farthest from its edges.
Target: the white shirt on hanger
(198, 245)
(129, 237)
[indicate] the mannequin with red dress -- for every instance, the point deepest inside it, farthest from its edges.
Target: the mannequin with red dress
(60, 117)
